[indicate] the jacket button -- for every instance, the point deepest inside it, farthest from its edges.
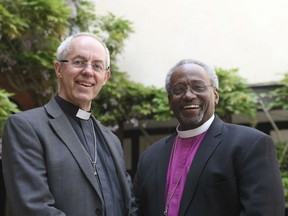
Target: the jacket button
(98, 211)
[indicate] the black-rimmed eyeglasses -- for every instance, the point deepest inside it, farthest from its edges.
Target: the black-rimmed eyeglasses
(196, 88)
(96, 66)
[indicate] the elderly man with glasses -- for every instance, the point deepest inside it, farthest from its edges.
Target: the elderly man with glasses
(58, 159)
(207, 167)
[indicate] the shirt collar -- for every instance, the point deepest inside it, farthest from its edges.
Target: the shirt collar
(196, 131)
(71, 109)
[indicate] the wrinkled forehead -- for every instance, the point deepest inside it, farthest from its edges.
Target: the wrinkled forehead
(87, 45)
(188, 73)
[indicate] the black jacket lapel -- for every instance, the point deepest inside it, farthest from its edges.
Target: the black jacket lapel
(206, 149)
(63, 128)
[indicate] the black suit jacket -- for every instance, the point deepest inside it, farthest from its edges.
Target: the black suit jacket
(235, 172)
(46, 171)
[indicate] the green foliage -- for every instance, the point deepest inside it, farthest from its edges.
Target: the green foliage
(84, 17)
(10, 25)
(281, 148)
(160, 109)
(31, 30)
(279, 100)
(235, 96)
(122, 101)
(7, 107)
(30, 33)
(284, 174)
(114, 31)
(280, 95)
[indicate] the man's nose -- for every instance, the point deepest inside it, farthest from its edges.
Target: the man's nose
(189, 93)
(88, 68)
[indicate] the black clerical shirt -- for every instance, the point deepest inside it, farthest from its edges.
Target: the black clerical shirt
(106, 171)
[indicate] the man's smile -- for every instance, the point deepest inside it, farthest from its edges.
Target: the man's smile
(191, 106)
(86, 84)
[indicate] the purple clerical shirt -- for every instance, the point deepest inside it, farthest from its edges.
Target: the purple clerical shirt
(183, 152)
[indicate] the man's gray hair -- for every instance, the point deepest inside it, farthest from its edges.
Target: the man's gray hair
(210, 71)
(64, 47)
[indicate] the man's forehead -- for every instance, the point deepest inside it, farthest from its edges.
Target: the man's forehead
(86, 40)
(190, 67)
(80, 47)
(190, 70)
(188, 73)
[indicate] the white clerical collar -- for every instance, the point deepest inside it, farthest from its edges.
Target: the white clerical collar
(83, 114)
(196, 131)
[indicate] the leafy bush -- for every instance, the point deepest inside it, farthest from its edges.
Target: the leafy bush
(7, 107)
(281, 148)
(280, 95)
(236, 97)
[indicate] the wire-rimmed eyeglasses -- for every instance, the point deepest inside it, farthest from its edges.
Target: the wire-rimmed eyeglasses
(77, 63)
(196, 88)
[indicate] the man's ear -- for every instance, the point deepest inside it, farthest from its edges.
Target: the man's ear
(57, 69)
(169, 99)
(107, 76)
(216, 96)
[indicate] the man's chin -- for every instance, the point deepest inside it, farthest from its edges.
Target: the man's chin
(191, 122)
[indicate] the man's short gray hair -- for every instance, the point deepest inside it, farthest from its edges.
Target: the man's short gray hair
(64, 47)
(210, 71)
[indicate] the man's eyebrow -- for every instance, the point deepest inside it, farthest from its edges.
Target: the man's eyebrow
(82, 57)
(197, 81)
(98, 60)
(77, 56)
